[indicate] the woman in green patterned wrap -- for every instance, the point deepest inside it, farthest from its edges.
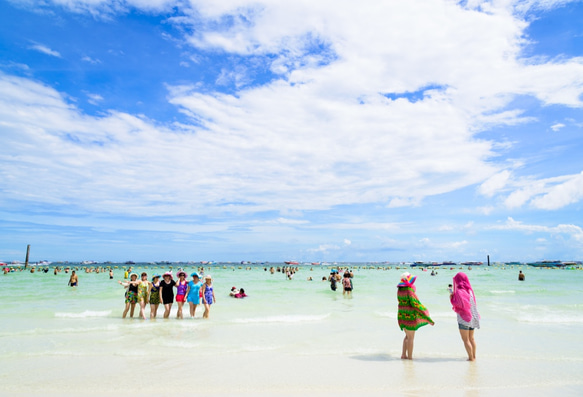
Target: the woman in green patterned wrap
(412, 314)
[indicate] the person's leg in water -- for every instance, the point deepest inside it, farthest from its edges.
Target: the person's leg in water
(465, 334)
(179, 312)
(192, 309)
(408, 341)
(473, 343)
(153, 310)
(125, 311)
(143, 309)
(167, 308)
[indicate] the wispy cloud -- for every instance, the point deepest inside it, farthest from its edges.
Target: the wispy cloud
(88, 59)
(94, 99)
(45, 50)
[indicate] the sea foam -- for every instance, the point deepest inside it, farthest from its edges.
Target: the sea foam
(85, 314)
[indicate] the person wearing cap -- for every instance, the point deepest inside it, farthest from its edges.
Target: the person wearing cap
(208, 295)
(181, 286)
(193, 293)
(412, 315)
(131, 296)
(154, 295)
(167, 293)
(234, 291)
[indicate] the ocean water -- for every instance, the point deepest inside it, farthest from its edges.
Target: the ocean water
(291, 337)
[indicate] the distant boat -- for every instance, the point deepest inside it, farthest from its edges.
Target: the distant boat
(547, 263)
(130, 263)
(472, 263)
(315, 263)
(291, 263)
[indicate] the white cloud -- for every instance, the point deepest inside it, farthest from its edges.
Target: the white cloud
(449, 245)
(347, 241)
(324, 134)
(94, 99)
(324, 248)
(494, 184)
(549, 193)
(569, 190)
(574, 231)
(556, 127)
(88, 59)
(45, 50)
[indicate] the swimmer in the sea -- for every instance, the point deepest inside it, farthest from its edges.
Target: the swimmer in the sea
(73, 280)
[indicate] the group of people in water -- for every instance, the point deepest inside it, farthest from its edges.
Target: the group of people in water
(160, 291)
(412, 315)
(346, 281)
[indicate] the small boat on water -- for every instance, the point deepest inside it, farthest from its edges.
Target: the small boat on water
(291, 262)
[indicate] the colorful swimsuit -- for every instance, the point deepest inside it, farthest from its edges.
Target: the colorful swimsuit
(181, 291)
(132, 294)
(208, 294)
(155, 294)
(142, 291)
(194, 292)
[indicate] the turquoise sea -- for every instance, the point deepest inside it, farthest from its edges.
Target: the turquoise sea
(292, 337)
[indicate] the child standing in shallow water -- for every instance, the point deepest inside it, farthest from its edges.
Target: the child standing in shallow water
(208, 295)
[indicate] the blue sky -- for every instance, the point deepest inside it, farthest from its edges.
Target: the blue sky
(426, 130)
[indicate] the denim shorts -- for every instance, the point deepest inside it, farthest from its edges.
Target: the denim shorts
(465, 327)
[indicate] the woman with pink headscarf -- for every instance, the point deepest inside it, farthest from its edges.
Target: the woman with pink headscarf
(463, 301)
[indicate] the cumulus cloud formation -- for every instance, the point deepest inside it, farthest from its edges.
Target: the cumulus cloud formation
(374, 103)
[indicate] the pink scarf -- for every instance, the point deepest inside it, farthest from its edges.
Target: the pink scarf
(461, 296)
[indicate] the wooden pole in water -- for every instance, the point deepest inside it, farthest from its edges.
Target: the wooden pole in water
(27, 253)
(488, 260)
